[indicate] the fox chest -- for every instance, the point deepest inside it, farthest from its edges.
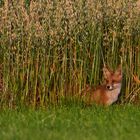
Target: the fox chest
(112, 96)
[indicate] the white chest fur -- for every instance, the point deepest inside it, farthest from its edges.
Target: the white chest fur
(113, 94)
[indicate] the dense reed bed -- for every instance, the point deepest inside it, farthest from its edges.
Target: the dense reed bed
(49, 50)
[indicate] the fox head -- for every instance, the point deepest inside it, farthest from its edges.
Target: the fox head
(113, 79)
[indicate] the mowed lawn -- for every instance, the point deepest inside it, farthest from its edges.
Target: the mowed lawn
(71, 123)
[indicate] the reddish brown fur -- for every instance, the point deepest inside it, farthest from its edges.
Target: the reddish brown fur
(97, 95)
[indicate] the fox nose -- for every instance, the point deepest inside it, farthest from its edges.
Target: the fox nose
(109, 87)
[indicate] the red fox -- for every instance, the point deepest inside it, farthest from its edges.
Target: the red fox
(105, 94)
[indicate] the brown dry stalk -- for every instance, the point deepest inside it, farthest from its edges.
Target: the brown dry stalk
(136, 79)
(1, 79)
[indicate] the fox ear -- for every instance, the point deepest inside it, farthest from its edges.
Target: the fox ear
(107, 72)
(118, 72)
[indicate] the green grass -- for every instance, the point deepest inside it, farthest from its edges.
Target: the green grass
(71, 123)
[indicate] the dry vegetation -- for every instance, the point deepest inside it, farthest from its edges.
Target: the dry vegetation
(50, 49)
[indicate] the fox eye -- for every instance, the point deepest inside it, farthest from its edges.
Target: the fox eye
(107, 81)
(113, 81)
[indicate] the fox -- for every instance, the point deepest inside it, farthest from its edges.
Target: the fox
(107, 93)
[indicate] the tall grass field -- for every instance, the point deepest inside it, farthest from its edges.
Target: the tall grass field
(50, 50)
